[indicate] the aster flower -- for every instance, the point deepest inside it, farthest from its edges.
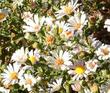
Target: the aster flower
(92, 65)
(107, 24)
(79, 71)
(49, 39)
(27, 15)
(3, 14)
(20, 55)
(28, 81)
(103, 52)
(60, 60)
(67, 9)
(78, 21)
(55, 86)
(34, 56)
(12, 74)
(33, 25)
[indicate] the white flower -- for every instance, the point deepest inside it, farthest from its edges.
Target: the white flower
(33, 25)
(55, 86)
(76, 86)
(28, 81)
(27, 15)
(12, 74)
(107, 24)
(20, 55)
(92, 65)
(4, 90)
(17, 3)
(67, 9)
(103, 52)
(3, 14)
(79, 71)
(78, 21)
(34, 56)
(60, 60)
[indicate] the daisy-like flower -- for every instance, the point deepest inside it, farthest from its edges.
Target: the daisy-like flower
(78, 21)
(3, 14)
(49, 39)
(67, 9)
(55, 86)
(92, 65)
(28, 81)
(33, 25)
(17, 3)
(79, 71)
(4, 90)
(103, 52)
(60, 60)
(20, 55)
(107, 24)
(34, 56)
(12, 74)
(27, 15)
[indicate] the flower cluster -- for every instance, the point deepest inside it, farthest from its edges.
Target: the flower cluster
(47, 48)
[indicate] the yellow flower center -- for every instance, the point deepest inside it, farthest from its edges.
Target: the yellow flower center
(29, 81)
(77, 26)
(60, 30)
(49, 40)
(2, 16)
(79, 70)
(32, 59)
(105, 51)
(59, 61)
(68, 10)
(13, 75)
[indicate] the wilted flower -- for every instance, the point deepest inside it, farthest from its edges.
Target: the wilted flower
(27, 15)
(49, 39)
(55, 86)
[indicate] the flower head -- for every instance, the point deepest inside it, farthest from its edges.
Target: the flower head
(103, 52)
(33, 25)
(20, 55)
(3, 14)
(55, 86)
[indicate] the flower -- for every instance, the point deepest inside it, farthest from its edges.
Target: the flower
(27, 15)
(34, 56)
(20, 55)
(12, 74)
(60, 60)
(78, 21)
(67, 9)
(92, 65)
(103, 52)
(33, 25)
(79, 70)
(4, 90)
(49, 39)
(28, 81)
(17, 3)
(3, 14)
(55, 86)
(107, 24)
